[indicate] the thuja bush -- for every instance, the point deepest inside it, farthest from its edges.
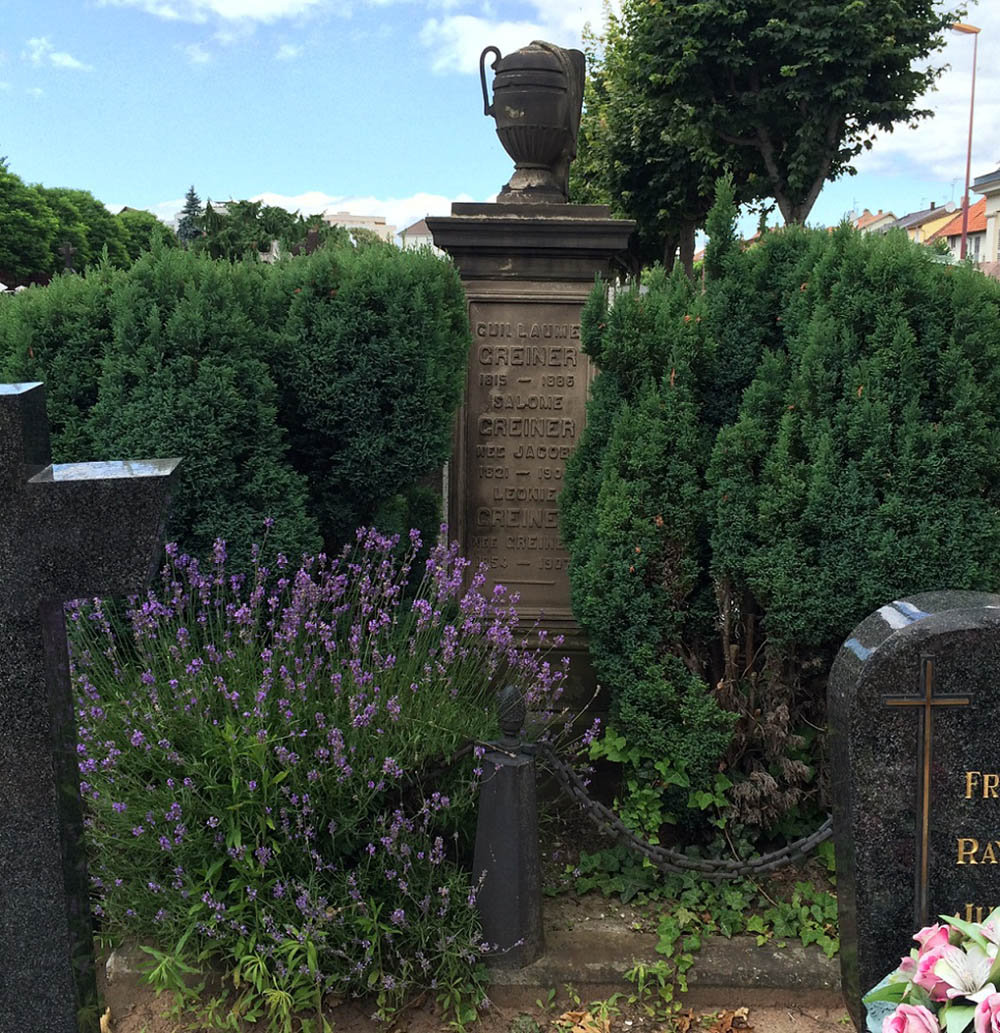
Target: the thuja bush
(264, 765)
(186, 375)
(770, 456)
(319, 390)
(370, 366)
(58, 334)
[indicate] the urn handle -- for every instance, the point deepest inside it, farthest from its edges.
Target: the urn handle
(487, 106)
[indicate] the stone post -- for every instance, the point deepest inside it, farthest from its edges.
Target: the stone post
(506, 856)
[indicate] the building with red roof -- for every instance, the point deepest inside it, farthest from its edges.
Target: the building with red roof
(951, 231)
(866, 222)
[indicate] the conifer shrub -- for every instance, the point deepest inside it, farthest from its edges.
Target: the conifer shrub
(769, 457)
(57, 334)
(370, 368)
(318, 391)
(185, 374)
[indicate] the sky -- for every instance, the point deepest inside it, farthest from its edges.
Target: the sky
(367, 106)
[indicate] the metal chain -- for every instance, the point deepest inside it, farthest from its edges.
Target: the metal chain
(672, 860)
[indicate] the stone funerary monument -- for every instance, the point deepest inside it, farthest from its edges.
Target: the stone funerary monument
(527, 263)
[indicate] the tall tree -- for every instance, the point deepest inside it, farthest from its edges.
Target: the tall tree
(189, 222)
(236, 229)
(796, 89)
(28, 230)
(87, 226)
(140, 228)
(641, 153)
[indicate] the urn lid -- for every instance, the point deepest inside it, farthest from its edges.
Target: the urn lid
(535, 56)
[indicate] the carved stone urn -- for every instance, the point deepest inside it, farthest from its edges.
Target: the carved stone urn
(537, 99)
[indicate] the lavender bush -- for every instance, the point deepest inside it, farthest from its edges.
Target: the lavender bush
(255, 759)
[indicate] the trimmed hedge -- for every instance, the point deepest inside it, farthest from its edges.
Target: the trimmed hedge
(769, 457)
(318, 391)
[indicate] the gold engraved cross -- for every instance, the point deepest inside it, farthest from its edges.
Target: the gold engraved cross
(927, 700)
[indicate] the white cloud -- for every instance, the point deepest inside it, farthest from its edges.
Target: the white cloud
(938, 145)
(232, 33)
(288, 52)
(196, 54)
(457, 40)
(398, 211)
(63, 60)
(165, 211)
(228, 10)
(4, 85)
(36, 50)
(35, 91)
(40, 50)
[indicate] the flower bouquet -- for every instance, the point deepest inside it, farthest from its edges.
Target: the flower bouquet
(950, 982)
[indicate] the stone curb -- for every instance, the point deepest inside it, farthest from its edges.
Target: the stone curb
(602, 951)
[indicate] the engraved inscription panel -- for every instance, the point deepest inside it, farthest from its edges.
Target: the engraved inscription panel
(526, 405)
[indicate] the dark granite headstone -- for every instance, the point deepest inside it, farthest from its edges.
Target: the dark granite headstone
(914, 697)
(66, 531)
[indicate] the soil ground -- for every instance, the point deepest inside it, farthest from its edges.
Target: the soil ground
(578, 987)
(137, 1009)
(561, 997)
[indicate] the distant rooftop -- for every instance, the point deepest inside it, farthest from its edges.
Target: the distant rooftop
(925, 215)
(866, 218)
(989, 180)
(418, 229)
(977, 222)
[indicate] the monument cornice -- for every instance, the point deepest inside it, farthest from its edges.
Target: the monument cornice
(553, 242)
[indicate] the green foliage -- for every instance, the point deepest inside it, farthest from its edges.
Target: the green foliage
(30, 228)
(183, 356)
(240, 229)
(641, 152)
(141, 229)
(879, 477)
(57, 335)
(248, 229)
(185, 377)
(686, 909)
(632, 516)
(86, 225)
(369, 367)
(693, 908)
(189, 221)
(767, 460)
(39, 223)
(785, 94)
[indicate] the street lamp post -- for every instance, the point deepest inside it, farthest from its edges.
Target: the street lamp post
(973, 31)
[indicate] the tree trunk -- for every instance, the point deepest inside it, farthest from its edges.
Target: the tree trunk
(688, 229)
(670, 252)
